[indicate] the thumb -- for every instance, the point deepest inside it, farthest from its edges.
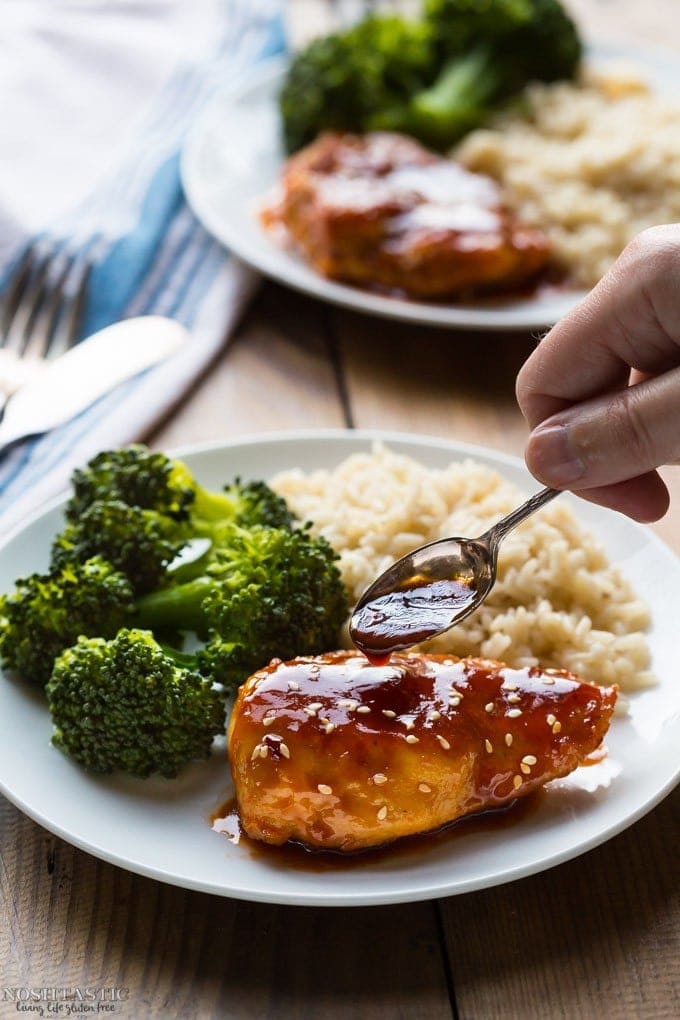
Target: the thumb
(610, 438)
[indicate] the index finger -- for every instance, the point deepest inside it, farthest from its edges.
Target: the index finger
(630, 320)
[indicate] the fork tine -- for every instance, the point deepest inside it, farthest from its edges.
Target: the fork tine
(41, 309)
(14, 290)
(66, 331)
(20, 326)
(53, 300)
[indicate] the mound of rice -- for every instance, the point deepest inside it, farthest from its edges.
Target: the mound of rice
(593, 163)
(557, 600)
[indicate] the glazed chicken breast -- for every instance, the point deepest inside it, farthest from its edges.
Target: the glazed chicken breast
(380, 210)
(337, 754)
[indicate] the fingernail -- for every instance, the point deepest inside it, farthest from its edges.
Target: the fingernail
(552, 458)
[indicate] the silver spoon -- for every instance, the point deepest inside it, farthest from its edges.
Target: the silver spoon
(432, 588)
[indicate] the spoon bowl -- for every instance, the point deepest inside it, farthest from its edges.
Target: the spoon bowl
(432, 588)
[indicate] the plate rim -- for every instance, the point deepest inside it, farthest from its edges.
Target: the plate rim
(328, 898)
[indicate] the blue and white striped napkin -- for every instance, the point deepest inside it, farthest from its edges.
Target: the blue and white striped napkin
(102, 97)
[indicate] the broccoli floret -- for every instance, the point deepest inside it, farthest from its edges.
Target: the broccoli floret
(136, 476)
(262, 589)
(140, 543)
(532, 39)
(268, 592)
(126, 705)
(458, 101)
(340, 80)
(139, 477)
(139, 509)
(256, 503)
(48, 612)
(434, 78)
(487, 51)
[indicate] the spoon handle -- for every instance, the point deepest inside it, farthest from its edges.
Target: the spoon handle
(498, 532)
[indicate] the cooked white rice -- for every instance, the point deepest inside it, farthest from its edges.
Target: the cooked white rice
(593, 163)
(557, 602)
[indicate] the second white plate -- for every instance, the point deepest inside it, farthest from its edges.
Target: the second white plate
(234, 155)
(231, 160)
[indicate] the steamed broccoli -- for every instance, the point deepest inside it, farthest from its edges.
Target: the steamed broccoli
(119, 699)
(253, 503)
(434, 78)
(48, 612)
(136, 476)
(340, 80)
(139, 509)
(488, 51)
(532, 39)
(140, 543)
(126, 705)
(266, 592)
(458, 101)
(140, 477)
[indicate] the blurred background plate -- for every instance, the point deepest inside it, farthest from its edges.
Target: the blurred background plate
(233, 156)
(232, 159)
(161, 828)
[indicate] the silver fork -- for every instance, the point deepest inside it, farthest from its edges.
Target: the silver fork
(39, 313)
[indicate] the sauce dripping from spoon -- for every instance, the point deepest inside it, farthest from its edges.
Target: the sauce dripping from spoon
(432, 588)
(407, 615)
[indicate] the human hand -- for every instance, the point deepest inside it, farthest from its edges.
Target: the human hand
(601, 392)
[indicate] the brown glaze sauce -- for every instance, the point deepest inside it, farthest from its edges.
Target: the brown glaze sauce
(225, 820)
(407, 616)
(329, 729)
(550, 283)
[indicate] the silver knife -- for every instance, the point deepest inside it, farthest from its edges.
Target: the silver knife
(60, 389)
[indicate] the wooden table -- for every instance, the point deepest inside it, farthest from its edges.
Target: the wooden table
(596, 937)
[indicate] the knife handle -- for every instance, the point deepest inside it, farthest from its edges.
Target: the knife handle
(59, 389)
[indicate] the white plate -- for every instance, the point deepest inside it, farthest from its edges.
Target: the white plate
(233, 156)
(160, 828)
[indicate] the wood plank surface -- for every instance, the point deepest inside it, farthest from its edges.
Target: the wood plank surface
(76, 921)
(596, 937)
(277, 374)
(421, 379)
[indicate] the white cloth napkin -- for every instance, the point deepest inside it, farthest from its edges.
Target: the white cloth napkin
(98, 97)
